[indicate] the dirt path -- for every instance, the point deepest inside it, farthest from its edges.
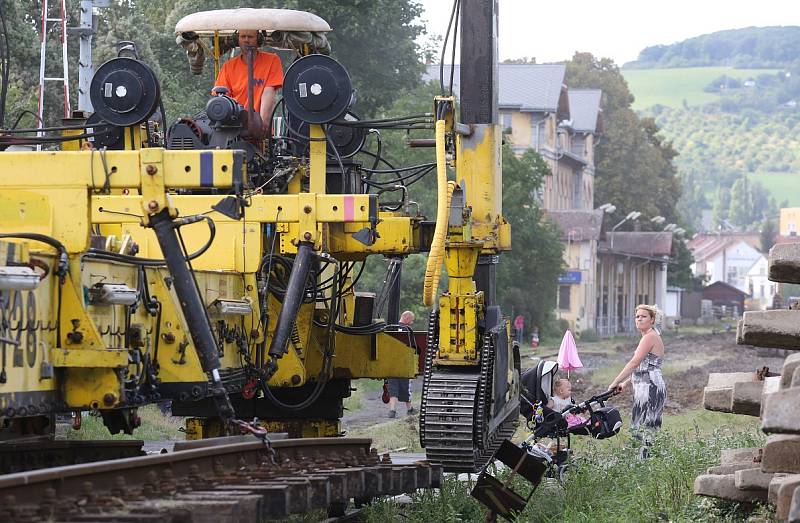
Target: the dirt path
(688, 361)
(371, 410)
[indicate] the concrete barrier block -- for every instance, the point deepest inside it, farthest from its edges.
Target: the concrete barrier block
(722, 380)
(746, 398)
(774, 485)
(722, 486)
(784, 263)
(781, 454)
(771, 384)
(790, 364)
(730, 468)
(782, 412)
(752, 479)
(739, 336)
(783, 501)
(779, 329)
(718, 399)
(794, 508)
(743, 455)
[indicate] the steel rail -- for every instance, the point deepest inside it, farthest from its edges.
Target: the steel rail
(236, 481)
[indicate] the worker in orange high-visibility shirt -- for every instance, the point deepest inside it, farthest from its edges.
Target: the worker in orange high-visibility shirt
(267, 76)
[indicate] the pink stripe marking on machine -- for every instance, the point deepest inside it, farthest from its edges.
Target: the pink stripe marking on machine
(349, 209)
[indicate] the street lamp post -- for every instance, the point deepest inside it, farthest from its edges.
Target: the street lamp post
(631, 216)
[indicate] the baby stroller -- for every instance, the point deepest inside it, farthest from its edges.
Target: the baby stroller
(537, 388)
(531, 460)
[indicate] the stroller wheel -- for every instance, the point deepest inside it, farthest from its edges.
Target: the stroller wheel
(561, 473)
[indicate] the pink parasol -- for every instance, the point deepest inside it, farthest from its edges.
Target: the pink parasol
(568, 354)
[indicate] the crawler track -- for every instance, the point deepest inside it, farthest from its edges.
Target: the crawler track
(456, 427)
(231, 482)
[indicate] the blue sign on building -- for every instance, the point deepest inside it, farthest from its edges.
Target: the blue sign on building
(570, 278)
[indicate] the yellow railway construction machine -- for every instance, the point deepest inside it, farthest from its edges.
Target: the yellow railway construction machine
(216, 268)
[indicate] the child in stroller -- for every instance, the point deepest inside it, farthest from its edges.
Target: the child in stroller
(532, 460)
(546, 422)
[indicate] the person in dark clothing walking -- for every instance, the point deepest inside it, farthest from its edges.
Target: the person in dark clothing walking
(400, 388)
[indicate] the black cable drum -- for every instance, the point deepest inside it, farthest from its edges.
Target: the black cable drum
(317, 89)
(347, 140)
(124, 92)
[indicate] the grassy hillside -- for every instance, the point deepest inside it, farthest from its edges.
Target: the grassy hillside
(782, 186)
(670, 87)
(718, 148)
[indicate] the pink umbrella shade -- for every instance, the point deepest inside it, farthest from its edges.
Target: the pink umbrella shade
(568, 354)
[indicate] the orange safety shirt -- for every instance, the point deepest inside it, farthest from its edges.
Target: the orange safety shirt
(267, 72)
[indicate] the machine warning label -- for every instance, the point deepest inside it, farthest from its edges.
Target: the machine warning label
(107, 88)
(302, 89)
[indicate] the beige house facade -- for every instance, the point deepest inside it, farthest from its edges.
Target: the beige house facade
(631, 270)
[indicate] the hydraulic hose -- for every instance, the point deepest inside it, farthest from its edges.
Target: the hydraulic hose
(444, 190)
(192, 306)
(295, 292)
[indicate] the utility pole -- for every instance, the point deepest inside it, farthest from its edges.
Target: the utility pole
(85, 31)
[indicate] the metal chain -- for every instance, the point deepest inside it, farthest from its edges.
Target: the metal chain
(260, 433)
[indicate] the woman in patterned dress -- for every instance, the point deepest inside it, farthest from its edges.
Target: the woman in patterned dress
(644, 371)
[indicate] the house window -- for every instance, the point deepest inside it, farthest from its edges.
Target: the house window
(563, 297)
(506, 122)
(537, 132)
(579, 145)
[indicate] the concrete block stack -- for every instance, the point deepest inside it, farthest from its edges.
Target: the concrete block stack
(771, 473)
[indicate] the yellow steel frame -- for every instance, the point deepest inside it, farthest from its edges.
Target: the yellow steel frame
(480, 229)
(65, 204)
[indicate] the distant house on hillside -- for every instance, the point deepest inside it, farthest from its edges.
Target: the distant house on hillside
(726, 299)
(726, 257)
(789, 221)
(761, 290)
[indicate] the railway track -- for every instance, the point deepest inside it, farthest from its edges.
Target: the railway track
(245, 481)
(19, 456)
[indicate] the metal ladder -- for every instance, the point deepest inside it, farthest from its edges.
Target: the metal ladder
(64, 78)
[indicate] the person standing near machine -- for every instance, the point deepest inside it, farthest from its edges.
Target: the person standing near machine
(644, 372)
(267, 76)
(400, 388)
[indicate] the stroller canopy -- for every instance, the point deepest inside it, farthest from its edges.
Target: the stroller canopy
(538, 381)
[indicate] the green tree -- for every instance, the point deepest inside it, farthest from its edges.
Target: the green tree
(741, 208)
(376, 41)
(527, 276)
(722, 204)
(767, 235)
(634, 168)
(679, 272)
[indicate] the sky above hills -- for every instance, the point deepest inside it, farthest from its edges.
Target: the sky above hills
(619, 29)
